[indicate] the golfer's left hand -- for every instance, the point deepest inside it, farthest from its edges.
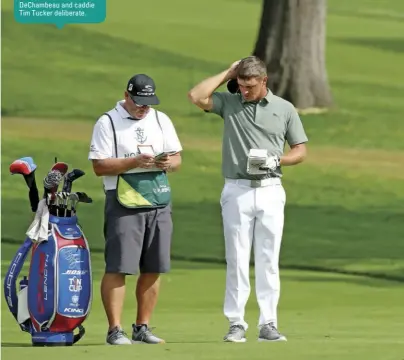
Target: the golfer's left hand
(163, 163)
(272, 163)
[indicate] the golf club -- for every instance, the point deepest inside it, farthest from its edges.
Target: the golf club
(68, 182)
(70, 177)
(26, 167)
(74, 199)
(54, 177)
(83, 197)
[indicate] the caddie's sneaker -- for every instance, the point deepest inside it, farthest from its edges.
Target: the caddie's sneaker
(269, 332)
(117, 336)
(236, 334)
(142, 335)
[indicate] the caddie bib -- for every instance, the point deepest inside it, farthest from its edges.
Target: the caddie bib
(142, 190)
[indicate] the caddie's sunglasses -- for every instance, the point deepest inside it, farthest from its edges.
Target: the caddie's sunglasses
(141, 106)
(138, 105)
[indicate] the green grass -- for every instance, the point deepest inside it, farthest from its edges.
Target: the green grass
(325, 316)
(344, 205)
(358, 217)
(92, 63)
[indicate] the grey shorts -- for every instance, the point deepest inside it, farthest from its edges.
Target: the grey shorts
(136, 240)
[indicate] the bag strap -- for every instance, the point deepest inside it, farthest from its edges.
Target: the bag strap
(158, 121)
(10, 280)
(113, 131)
(81, 333)
(161, 128)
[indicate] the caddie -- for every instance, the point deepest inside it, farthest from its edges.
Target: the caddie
(257, 124)
(133, 147)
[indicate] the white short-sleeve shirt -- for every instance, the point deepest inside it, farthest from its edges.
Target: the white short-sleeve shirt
(131, 135)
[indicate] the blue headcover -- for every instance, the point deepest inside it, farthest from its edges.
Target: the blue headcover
(24, 165)
(29, 161)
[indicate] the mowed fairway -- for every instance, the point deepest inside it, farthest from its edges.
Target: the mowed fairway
(324, 316)
(344, 211)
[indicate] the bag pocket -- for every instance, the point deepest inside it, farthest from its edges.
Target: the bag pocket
(143, 190)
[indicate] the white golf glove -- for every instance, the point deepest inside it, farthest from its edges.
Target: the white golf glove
(272, 163)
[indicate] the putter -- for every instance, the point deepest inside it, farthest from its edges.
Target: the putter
(26, 167)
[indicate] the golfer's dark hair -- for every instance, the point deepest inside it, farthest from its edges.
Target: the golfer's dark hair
(251, 67)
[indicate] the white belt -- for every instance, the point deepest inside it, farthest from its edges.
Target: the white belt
(255, 183)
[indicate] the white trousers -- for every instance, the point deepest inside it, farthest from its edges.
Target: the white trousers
(252, 216)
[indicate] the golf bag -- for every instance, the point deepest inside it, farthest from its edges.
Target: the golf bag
(57, 297)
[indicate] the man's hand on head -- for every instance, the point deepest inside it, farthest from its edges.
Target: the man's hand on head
(232, 72)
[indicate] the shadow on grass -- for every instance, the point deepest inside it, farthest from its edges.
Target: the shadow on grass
(360, 279)
(113, 59)
(382, 16)
(8, 344)
(95, 46)
(386, 44)
(370, 88)
(17, 345)
(317, 238)
(194, 342)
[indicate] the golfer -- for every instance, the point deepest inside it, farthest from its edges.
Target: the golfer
(133, 147)
(256, 125)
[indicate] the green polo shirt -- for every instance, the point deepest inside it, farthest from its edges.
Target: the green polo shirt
(267, 124)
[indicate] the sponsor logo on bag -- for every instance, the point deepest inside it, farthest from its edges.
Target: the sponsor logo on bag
(75, 272)
(162, 189)
(10, 278)
(74, 311)
(75, 301)
(75, 284)
(71, 231)
(43, 282)
(73, 259)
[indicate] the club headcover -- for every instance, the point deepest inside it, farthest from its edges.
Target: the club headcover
(61, 167)
(23, 166)
(70, 177)
(75, 174)
(53, 179)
